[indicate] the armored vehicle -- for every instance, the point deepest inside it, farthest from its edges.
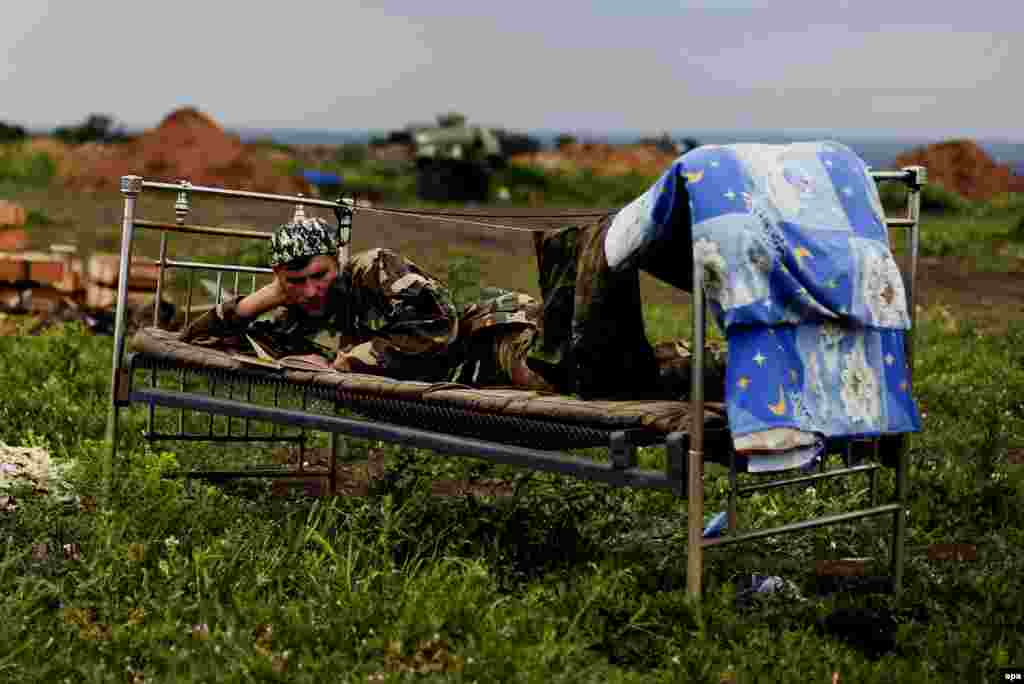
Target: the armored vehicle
(456, 162)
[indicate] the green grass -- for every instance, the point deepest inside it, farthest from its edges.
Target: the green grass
(992, 242)
(990, 233)
(567, 581)
(577, 189)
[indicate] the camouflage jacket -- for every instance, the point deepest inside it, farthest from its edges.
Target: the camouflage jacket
(386, 316)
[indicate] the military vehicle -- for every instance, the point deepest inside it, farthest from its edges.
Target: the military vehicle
(455, 162)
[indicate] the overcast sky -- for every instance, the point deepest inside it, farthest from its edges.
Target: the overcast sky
(904, 68)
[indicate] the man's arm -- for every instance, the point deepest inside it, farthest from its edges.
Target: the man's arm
(233, 316)
(416, 318)
(268, 297)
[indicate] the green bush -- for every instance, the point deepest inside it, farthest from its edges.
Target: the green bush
(934, 198)
(95, 128)
(38, 217)
(578, 189)
(12, 132)
(351, 153)
(21, 167)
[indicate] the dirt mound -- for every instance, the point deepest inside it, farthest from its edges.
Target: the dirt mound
(186, 145)
(601, 158)
(965, 168)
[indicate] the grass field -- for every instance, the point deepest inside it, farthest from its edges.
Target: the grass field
(564, 581)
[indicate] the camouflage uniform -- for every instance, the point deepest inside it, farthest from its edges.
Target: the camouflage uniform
(591, 339)
(494, 337)
(386, 316)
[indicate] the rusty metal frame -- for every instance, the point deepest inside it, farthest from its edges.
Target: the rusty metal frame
(684, 451)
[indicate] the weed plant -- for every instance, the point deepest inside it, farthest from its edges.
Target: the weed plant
(565, 581)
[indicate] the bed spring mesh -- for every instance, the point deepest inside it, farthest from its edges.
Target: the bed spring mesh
(529, 432)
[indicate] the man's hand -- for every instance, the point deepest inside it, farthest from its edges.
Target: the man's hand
(341, 364)
(268, 297)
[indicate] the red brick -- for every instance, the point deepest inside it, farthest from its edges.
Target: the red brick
(12, 214)
(104, 268)
(13, 239)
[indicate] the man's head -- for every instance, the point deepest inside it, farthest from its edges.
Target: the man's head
(304, 257)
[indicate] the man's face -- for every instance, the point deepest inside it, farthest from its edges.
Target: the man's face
(307, 288)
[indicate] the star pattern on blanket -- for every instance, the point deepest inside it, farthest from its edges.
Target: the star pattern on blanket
(798, 274)
(779, 407)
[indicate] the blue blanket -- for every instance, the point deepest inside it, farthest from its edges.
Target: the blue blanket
(798, 273)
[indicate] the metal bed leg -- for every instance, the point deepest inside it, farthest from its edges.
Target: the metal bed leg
(918, 179)
(695, 471)
(900, 521)
(873, 481)
(732, 521)
(695, 547)
(131, 186)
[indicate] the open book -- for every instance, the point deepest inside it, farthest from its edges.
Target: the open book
(264, 359)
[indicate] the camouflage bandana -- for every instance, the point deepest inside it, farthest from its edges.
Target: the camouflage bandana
(308, 237)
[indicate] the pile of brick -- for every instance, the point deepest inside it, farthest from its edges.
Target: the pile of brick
(965, 168)
(57, 283)
(12, 216)
(186, 145)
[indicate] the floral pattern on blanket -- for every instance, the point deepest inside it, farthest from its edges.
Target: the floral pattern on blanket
(793, 247)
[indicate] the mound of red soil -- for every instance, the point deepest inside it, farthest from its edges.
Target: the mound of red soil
(965, 168)
(186, 145)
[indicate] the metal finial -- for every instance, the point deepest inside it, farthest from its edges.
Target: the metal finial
(181, 205)
(131, 185)
(919, 176)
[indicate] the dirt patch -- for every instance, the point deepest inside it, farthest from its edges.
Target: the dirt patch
(187, 144)
(357, 478)
(991, 298)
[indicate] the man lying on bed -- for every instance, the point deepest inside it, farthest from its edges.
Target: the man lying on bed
(379, 313)
(376, 313)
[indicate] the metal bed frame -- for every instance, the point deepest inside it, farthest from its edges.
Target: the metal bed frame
(526, 442)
